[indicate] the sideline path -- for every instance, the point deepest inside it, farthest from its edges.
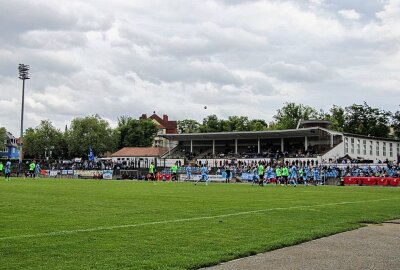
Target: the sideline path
(371, 247)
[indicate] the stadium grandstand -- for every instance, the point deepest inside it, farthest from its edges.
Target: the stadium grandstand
(312, 140)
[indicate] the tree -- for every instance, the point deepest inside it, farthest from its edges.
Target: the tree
(368, 121)
(135, 133)
(396, 124)
(188, 126)
(258, 125)
(291, 113)
(212, 124)
(236, 123)
(2, 138)
(89, 132)
(44, 141)
(337, 117)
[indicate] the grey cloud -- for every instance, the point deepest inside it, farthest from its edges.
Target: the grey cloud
(308, 72)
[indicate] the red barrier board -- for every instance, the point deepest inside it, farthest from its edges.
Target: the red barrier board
(383, 181)
(350, 180)
(395, 182)
(369, 181)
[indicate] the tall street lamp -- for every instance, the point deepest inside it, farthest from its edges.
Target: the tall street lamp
(23, 75)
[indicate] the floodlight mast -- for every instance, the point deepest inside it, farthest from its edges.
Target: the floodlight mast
(23, 75)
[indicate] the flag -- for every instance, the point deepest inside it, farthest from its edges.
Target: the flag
(91, 155)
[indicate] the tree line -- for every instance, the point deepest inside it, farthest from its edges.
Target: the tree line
(45, 140)
(90, 132)
(359, 119)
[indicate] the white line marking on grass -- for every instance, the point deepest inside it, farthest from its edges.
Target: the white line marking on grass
(108, 228)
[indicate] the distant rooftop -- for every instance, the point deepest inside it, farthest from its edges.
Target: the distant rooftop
(314, 123)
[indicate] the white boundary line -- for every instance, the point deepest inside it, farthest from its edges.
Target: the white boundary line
(106, 228)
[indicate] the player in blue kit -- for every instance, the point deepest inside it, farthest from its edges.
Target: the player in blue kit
(188, 172)
(293, 175)
(204, 175)
(316, 176)
(268, 174)
(306, 171)
(255, 175)
(7, 170)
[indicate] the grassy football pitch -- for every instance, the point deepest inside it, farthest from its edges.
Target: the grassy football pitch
(91, 224)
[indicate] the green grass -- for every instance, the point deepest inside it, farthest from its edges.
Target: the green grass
(170, 225)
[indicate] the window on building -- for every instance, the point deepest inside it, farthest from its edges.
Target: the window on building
(377, 148)
(371, 143)
(358, 146)
(364, 147)
(398, 149)
(352, 145)
(391, 149)
(346, 145)
(384, 149)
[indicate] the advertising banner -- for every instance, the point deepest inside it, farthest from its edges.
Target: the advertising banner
(107, 174)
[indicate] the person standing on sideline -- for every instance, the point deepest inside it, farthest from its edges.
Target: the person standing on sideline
(151, 171)
(260, 174)
(37, 170)
(228, 173)
(32, 167)
(204, 175)
(188, 172)
(285, 174)
(174, 170)
(7, 170)
(1, 168)
(278, 173)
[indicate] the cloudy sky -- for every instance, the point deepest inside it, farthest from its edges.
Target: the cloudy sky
(236, 57)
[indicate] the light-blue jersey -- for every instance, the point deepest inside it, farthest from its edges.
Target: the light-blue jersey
(204, 170)
(8, 167)
(189, 169)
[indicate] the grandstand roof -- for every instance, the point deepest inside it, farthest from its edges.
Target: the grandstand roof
(140, 152)
(287, 133)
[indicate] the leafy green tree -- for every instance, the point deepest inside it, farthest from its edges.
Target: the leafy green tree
(237, 123)
(2, 137)
(212, 124)
(90, 131)
(291, 113)
(44, 141)
(396, 124)
(188, 126)
(337, 117)
(258, 125)
(365, 120)
(135, 133)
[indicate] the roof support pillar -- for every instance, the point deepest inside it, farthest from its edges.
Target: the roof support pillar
(305, 143)
(282, 145)
(236, 146)
(191, 146)
(213, 149)
(331, 140)
(258, 147)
